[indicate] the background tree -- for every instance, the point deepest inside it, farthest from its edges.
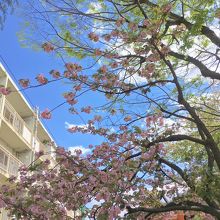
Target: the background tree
(157, 64)
(5, 7)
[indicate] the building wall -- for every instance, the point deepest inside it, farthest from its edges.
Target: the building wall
(21, 131)
(7, 147)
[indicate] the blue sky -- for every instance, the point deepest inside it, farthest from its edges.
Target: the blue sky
(27, 63)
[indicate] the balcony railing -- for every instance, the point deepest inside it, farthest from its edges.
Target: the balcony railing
(3, 214)
(20, 127)
(9, 164)
(13, 118)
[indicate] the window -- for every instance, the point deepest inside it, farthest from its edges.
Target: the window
(8, 115)
(18, 125)
(3, 159)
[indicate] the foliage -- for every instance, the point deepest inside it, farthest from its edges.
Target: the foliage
(5, 6)
(157, 64)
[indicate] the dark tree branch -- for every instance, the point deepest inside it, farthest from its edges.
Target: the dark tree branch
(210, 34)
(171, 138)
(200, 125)
(188, 205)
(206, 72)
(183, 175)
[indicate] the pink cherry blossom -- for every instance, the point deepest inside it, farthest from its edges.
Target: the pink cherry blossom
(78, 87)
(72, 101)
(94, 37)
(55, 74)
(66, 74)
(4, 91)
(98, 52)
(165, 50)
(41, 79)
(46, 114)
(39, 153)
(2, 203)
(153, 57)
(98, 197)
(98, 118)
(107, 37)
(120, 22)
(127, 118)
(150, 68)
(146, 22)
(114, 65)
(167, 8)
(24, 83)
(148, 120)
(86, 109)
(73, 67)
(133, 26)
(103, 69)
(48, 47)
(115, 33)
(161, 121)
(69, 95)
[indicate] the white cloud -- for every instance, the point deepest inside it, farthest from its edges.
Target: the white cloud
(180, 189)
(190, 71)
(73, 149)
(70, 125)
(94, 7)
(112, 130)
(98, 27)
(124, 51)
(134, 78)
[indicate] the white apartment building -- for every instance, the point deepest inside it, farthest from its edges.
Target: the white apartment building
(21, 132)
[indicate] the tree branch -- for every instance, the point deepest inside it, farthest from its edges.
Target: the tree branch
(206, 72)
(210, 34)
(188, 205)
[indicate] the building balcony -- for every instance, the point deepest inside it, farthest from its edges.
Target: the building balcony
(14, 129)
(9, 164)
